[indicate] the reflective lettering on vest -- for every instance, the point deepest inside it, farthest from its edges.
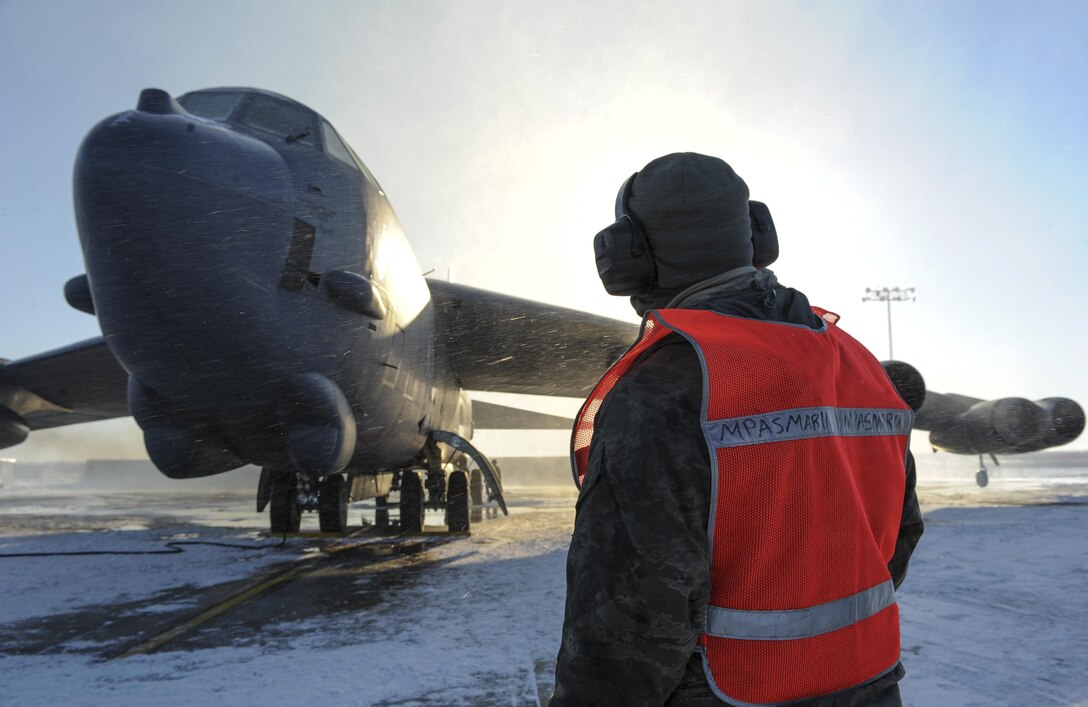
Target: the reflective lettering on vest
(805, 423)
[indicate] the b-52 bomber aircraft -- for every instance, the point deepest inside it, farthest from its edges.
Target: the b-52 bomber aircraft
(260, 304)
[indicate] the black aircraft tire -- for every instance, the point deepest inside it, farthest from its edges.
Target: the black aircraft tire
(332, 504)
(982, 478)
(457, 502)
(411, 502)
(381, 511)
(284, 514)
(476, 487)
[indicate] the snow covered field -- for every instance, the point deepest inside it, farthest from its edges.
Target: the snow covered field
(995, 609)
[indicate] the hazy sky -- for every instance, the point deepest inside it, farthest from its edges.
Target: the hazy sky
(939, 145)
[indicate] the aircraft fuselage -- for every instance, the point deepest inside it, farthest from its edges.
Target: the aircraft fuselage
(251, 276)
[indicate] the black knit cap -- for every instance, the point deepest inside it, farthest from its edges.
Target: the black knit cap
(694, 211)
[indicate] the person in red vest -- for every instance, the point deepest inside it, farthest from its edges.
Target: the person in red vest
(747, 505)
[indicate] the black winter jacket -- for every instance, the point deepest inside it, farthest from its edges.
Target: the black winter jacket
(638, 568)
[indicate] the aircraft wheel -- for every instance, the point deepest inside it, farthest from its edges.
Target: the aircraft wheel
(411, 502)
(476, 487)
(381, 511)
(283, 512)
(457, 502)
(982, 478)
(332, 504)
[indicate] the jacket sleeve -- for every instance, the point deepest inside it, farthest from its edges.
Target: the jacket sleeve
(911, 527)
(638, 570)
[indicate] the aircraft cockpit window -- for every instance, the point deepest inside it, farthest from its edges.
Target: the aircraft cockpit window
(212, 105)
(335, 146)
(363, 168)
(292, 123)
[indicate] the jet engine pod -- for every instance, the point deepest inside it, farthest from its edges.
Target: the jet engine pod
(189, 452)
(1002, 426)
(908, 382)
(180, 447)
(318, 422)
(1064, 420)
(13, 429)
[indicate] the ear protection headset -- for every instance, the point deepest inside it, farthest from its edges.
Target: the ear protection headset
(764, 235)
(625, 258)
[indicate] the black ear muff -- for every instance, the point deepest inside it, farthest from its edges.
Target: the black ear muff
(764, 235)
(625, 260)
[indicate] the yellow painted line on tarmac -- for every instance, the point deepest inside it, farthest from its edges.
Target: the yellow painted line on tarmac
(228, 604)
(172, 633)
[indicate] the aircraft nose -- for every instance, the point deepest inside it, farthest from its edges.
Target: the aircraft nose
(178, 217)
(160, 147)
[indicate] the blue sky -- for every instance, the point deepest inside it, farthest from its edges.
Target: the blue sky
(938, 145)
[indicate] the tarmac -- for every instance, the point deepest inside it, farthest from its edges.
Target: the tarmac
(155, 596)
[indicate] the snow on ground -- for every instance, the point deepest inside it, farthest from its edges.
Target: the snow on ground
(481, 628)
(995, 613)
(995, 608)
(35, 587)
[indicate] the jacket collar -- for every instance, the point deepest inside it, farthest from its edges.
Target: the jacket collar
(725, 283)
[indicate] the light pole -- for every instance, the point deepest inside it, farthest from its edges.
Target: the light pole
(889, 295)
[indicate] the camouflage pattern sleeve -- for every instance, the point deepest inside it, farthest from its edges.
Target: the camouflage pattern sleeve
(910, 528)
(638, 570)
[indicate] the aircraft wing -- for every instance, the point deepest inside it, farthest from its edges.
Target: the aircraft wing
(78, 383)
(500, 343)
(966, 425)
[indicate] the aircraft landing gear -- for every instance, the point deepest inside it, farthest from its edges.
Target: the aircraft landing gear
(284, 512)
(447, 486)
(982, 477)
(333, 497)
(411, 501)
(458, 502)
(287, 494)
(381, 511)
(476, 493)
(476, 487)
(491, 474)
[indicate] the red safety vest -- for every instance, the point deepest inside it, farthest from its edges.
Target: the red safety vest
(808, 440)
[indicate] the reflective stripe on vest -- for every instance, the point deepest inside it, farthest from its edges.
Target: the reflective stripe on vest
(799, 623)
